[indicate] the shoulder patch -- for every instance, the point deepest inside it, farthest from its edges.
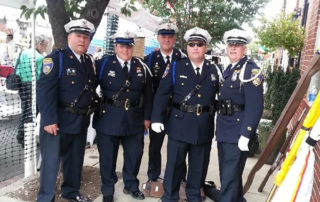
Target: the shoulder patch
(47, 65)
(257, 81)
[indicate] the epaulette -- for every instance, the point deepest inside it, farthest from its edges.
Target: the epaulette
(221, 79)
(257, 72)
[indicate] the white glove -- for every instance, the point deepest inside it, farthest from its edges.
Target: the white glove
(157, 127)
(243, 143)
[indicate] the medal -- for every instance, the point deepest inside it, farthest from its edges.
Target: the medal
(234, 75)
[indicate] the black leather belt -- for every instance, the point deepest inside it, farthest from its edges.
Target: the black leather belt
(197, 109)
(120, 103)
(76, 110)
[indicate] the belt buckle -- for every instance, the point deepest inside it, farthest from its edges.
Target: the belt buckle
(127, 104)
(199, 109)
(88, 112)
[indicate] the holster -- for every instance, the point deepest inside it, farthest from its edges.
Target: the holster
(226, 107)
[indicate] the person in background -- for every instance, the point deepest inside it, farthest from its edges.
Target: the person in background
(10, 42)
(6, 54)
(24, 70)
(98, 53)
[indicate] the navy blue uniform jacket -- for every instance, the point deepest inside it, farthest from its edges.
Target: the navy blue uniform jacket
(185, 126)
(117, 121)
(249, 94)
(51, 89)
(157, 65)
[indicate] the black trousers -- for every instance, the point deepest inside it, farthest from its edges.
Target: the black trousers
(154, 163)
(108, 147)
(70, 149)
(231, 165)
(198, 157)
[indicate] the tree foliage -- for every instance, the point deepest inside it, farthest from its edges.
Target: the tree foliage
(281, 32)
(280, 88)
(60, 12)
(216, 16)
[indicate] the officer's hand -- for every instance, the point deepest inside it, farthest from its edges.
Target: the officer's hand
(146, 124)
(52, 129)
(157, 127)
(243, 143)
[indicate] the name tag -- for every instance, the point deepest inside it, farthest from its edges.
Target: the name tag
(183, 76)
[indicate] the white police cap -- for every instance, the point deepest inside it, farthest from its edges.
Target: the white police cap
(82, 26)
(125, 37)
(237, 36)
(197, 34)
(167, 29)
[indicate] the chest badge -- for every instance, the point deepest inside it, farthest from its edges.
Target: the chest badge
(71, 72)
(234, 75)
(213, 77)
(112, 73)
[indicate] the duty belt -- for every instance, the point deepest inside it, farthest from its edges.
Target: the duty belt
(197, 109)
(78, 111)
(126, 104)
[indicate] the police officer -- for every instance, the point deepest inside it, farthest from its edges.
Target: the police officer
(126, 86)
(193, 82)
(241, 101)
(157, 62)
(66, 98)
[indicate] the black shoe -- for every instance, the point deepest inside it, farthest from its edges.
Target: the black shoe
(135, 194)
(79, 199)
(107, 198)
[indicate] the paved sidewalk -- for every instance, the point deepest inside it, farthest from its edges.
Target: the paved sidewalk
(213, 175)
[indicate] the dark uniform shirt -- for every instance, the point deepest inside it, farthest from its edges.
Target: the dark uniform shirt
(64, 85)
(249, 94)
(157, 65)
(116, 120)
(186, 126)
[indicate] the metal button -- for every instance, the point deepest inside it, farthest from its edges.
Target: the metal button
(128, 90)
(249, 128)
(238, 119)
(219, 93)
(182, 84)
(176, 115)
(92, 98)
(110, 82)
(231, 86)
(72, 82)
(89, 81)
(89, 107)
(91, 90)
(104, 111)
(222, 84)
(199, 95)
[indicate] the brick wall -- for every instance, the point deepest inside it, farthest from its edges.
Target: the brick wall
(307, 53)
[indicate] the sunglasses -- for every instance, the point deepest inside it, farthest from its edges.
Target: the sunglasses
(199, 44)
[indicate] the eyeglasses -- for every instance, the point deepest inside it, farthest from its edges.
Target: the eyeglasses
(199, 44)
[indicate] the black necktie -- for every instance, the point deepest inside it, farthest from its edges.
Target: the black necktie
(125, 69)
(198, 73)
(168, 61)
(226, 72)
(83, 63)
